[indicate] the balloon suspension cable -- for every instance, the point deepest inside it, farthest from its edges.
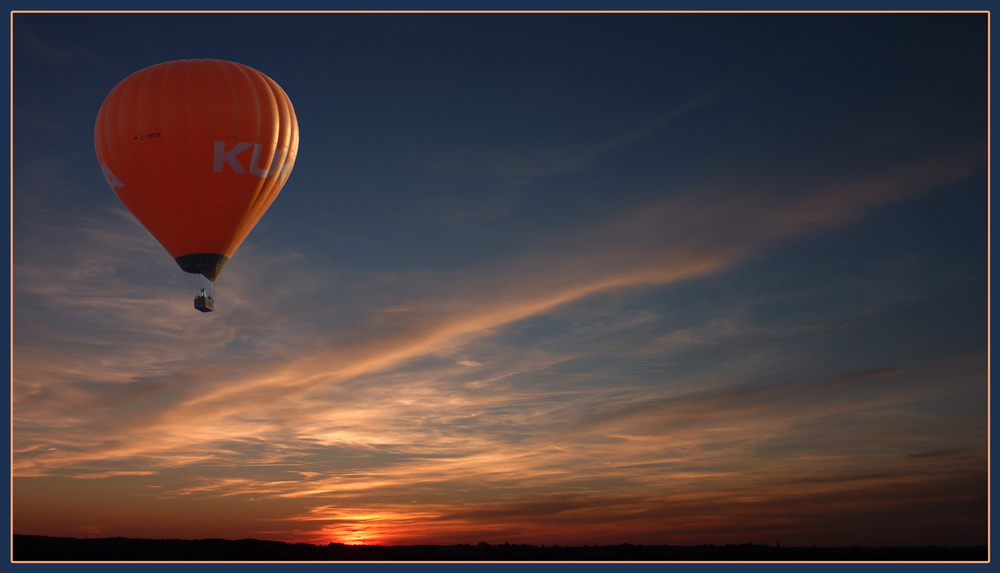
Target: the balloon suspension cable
(198, 285)
(189, 280)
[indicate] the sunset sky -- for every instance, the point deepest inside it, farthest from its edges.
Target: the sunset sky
(548, 279)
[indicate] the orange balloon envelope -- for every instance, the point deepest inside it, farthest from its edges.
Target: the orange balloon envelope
(197, 150)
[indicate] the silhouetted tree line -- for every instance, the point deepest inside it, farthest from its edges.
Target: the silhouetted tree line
(41, 548)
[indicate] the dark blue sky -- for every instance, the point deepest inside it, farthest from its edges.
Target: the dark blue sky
(646, 278)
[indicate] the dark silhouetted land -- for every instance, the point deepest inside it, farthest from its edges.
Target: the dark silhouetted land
(40, 548)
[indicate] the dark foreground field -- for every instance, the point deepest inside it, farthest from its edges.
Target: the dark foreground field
(37, 548)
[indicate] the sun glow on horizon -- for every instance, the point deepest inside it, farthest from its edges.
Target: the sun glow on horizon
(535, 280)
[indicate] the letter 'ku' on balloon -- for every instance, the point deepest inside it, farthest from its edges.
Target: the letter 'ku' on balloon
(197, 150)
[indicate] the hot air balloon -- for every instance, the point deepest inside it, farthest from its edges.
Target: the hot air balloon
(197, 150)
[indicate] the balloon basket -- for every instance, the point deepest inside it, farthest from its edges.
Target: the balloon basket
(203, 304)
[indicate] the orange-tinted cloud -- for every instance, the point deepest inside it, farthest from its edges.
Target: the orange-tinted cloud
(389, 410)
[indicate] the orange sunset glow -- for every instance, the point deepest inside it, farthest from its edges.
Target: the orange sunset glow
(560, 279)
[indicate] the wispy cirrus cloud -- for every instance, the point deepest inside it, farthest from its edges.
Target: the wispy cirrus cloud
(386, 384)
(521, 168)
(27, 42)
(678, 240)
